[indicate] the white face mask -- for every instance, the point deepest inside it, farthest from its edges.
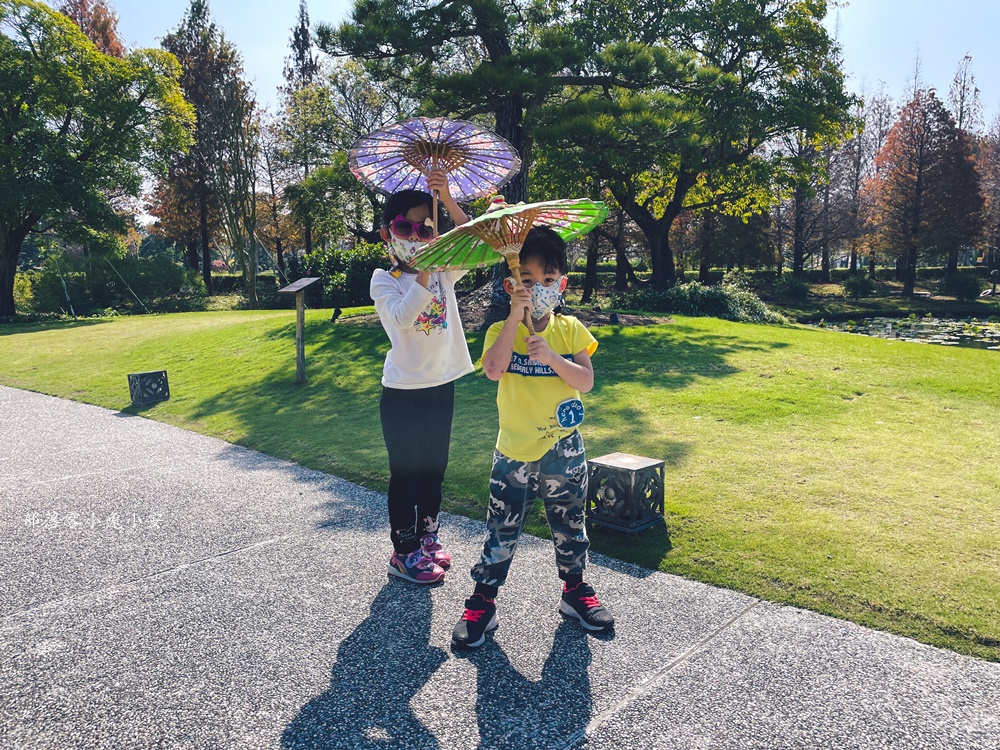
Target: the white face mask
(404, 250)
(544, 299)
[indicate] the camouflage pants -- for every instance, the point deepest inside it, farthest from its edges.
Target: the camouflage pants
(560, 479)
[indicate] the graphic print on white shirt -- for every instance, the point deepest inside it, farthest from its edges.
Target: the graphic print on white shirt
(435, 315)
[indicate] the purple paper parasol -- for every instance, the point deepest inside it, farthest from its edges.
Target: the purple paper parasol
(400, 157)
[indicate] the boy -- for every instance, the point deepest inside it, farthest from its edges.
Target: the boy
(539, 451)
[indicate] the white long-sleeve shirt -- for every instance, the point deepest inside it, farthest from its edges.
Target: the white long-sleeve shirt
(428, 346)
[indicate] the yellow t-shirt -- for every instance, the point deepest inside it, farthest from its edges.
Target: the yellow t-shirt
(537, 409)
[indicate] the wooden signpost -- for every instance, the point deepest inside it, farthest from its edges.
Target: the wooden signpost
(298, 288)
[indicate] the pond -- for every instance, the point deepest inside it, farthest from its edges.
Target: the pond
(971, 333)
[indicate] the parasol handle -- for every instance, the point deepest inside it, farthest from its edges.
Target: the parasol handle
(514, 264)
(434, 207)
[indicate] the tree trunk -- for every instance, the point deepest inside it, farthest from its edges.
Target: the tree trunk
(799, 234)
(622, 268)
(9, 253)
(826, 235)
(779, 260)
(11, 240)
(281, 258)
(206, 252)
(909, 270)
(952, 262)
(707, 230)
(590, 279)
(664, 274)
(510, 116)
(192, 255)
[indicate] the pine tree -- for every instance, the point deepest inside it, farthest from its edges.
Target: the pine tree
(206, 59)
(302, 66)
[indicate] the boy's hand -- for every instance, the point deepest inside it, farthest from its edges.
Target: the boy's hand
(540, 351)
(520, 302)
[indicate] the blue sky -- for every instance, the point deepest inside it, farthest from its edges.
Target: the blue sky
(880, 38)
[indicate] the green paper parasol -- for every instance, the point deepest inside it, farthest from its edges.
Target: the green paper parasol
(501, 231)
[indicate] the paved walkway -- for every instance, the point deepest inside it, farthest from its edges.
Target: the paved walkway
(167, 590)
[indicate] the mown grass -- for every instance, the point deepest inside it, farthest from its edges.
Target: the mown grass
(852, 476)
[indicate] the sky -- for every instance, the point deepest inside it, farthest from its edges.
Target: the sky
(881, 39)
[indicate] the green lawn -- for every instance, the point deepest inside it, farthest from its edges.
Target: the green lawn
(852, 476)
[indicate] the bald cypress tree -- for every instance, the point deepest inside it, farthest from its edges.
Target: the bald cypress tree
(926, 193)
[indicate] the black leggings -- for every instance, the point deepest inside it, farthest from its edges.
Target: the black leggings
(416, 425)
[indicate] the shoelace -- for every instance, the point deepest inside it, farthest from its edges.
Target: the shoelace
(472, 615)
(590, 601)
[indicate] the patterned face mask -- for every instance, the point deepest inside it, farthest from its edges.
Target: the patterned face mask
(544, 299)
(404, 250)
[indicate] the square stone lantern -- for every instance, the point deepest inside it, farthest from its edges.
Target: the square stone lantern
(148, 387)
(625, 492)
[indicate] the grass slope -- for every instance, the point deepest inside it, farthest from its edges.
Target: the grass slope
(856, 477)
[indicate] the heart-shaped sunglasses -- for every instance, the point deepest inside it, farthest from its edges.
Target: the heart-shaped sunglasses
(405, 229)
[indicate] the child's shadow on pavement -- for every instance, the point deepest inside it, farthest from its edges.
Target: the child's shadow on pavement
(379, 668)
(514, 712)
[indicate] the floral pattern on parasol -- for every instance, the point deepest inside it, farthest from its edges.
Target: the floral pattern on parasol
(400, 156)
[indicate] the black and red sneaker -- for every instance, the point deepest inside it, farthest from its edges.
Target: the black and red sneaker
(478, 619)
(581, 603)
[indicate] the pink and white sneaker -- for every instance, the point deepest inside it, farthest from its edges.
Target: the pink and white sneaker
(432, 547)
(416, 567)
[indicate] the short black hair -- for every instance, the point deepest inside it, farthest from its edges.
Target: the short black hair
(547, 247)
(400, 202)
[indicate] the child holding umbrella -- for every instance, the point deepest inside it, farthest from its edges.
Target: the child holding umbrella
(539, 451)
(427, 354)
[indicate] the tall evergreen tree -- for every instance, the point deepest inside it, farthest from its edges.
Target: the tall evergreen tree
(677, 97)
(302, 65)
(206, 59)
(302, 69)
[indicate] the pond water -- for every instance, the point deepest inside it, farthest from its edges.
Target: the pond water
(971, 333)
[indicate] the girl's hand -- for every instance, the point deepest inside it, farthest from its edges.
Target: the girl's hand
(438, 180)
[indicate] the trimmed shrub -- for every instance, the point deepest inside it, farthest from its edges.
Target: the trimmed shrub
(23, 292)
(791, 289)
(347, 273)
(96, 283)
(858, 285)
(729, 302)
(963, 286)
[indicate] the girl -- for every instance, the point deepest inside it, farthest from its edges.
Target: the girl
(428, 353)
